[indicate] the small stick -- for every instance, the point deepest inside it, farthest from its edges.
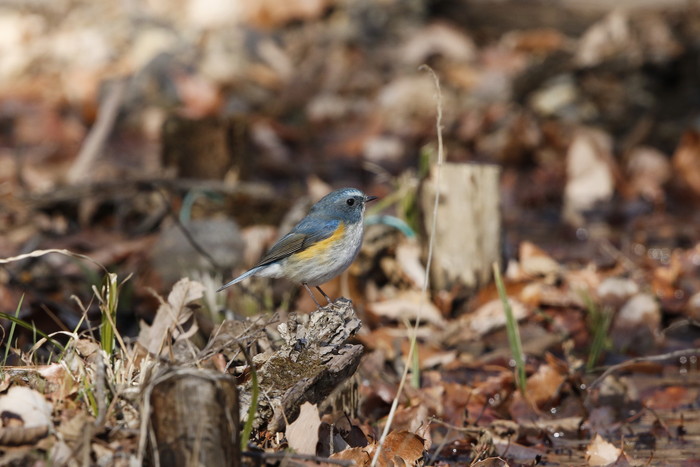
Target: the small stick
(99, 132)
(650, 358)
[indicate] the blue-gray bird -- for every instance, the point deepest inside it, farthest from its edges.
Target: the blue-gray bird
(321, 246)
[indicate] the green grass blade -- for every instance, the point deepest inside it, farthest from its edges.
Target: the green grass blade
(31, 327)
(89, 396)
(516, 347)
(598, 324)
(415, 364)
(108, 297)
(255, 393)
(8, 344)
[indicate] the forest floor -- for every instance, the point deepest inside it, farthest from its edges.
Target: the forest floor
(148, 153)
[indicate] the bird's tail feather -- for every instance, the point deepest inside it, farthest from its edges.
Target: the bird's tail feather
(239, 278)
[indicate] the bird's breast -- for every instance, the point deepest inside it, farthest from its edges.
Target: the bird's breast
(325, 246)
(326, 259)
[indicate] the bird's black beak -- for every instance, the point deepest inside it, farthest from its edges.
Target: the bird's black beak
(370, 198)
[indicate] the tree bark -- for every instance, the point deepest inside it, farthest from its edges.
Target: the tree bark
(194, 418)
(468, 232)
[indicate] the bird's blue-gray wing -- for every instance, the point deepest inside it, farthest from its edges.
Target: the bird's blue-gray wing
(308, 232)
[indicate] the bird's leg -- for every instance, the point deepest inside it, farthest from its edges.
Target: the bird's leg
(330, 302)
(312, 294)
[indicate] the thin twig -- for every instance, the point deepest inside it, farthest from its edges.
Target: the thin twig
(185, 231)
(248, 427)
(99, 132)
(54, 318)
(650, 358)
(100, 391)
(472, 430)
(440, 447)
(681, 324)
(39, 253)
(424, 290)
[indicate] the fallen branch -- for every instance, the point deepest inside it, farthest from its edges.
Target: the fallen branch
(99, 132)
(634, 361)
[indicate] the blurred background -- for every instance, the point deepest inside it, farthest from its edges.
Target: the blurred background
(129, 129)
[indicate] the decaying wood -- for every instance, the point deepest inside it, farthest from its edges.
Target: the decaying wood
(467, 239)
(196, 148)
(20, 435)
(194, 418)
(194, 413)
(311, 362)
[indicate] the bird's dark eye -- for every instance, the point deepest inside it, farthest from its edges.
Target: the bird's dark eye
(350, 201)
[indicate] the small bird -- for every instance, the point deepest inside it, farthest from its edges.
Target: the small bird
(321, 246)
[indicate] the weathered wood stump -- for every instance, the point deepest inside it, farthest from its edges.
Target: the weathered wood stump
(195, 414)
(311, 362)
(194, 418)
(468, 235)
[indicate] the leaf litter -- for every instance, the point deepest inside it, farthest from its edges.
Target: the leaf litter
(598, 199)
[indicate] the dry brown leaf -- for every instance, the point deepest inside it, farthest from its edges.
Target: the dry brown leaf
(258, 239)
(519, 453)
(317, 188)
(410, 418)
(271, 13)
(693, 307)
(61, 384)
(359, 456)
(302, 433)
(29, 405)
(72, 426)
(604, 39)
(686, 161)
(521, 409)
(171, 316)
(408, 304)
(544, 385)
(535, 261)
(600, 452)
(405, 445)
(457, 401)
(438, 39)
(408, 254)
(665, 277)
(491, 316)
(104, 455)
(199, 96)
(405, 98)
(536, 40)
(5, 380)
(615, 290)
(633, 39)
(491, 462)
(636, 327)
(640, 310)
(672, 398)
(589, 170)
(648, 170)
(399, 448)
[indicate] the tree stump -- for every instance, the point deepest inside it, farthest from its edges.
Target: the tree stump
(194, 418)
(312, 360)
(468, 235)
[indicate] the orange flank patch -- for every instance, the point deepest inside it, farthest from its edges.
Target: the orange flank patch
(320, 248)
